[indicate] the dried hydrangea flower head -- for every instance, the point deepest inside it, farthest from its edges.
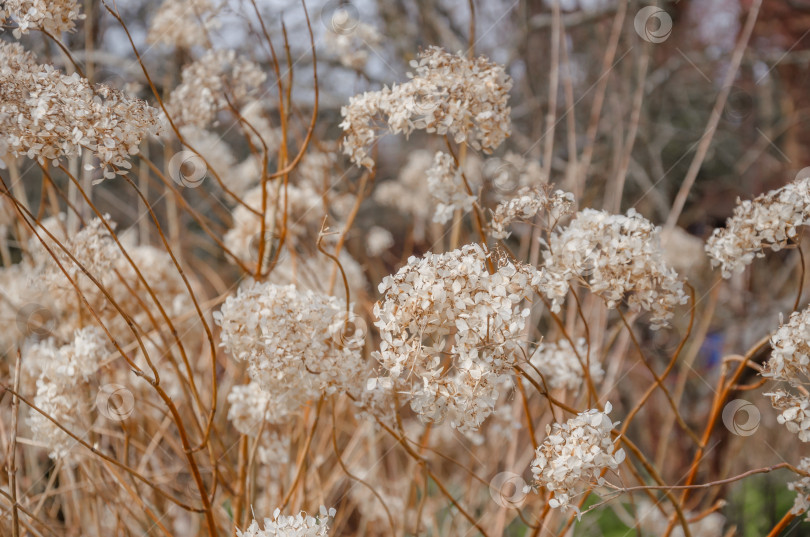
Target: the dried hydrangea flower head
(298, 344)
(561, 367)
(451, 330)
(46, 115)
(52, 16)
(61, 373)
(795, 412)
(378, 241)
(349, 40)
(447, 94)
(802, 489)
(183, 23)
(790, 359)
(768, 221)
(527, 204)
(94, 248)
(300, 525)
(790, 363)
(618, 257)
(206, 82)
(447, 187)
(574, 455)
(250, 406)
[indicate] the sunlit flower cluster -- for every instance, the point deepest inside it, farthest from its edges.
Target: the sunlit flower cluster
(618, 257)
(768, 221)
(52, 16)
(46, 115)
(447, 94)
(451, 329)
(574, 454)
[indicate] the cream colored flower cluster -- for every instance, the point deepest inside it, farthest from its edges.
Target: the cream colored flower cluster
(795, 413)
(768, 221)
(183, 23)
(250, 406)
(46, 115)
(207, 81)
(446, 185)
(52, 16)
(94, 248)
(300, 525)
(562, 365)
(62, 372)
(575, 453)
(378, 241)
(790, 362)
(447, 94)
(790, 359)
(527, 204)
(298, 344)
(451, 330)
(802, 489)
(618, 257)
